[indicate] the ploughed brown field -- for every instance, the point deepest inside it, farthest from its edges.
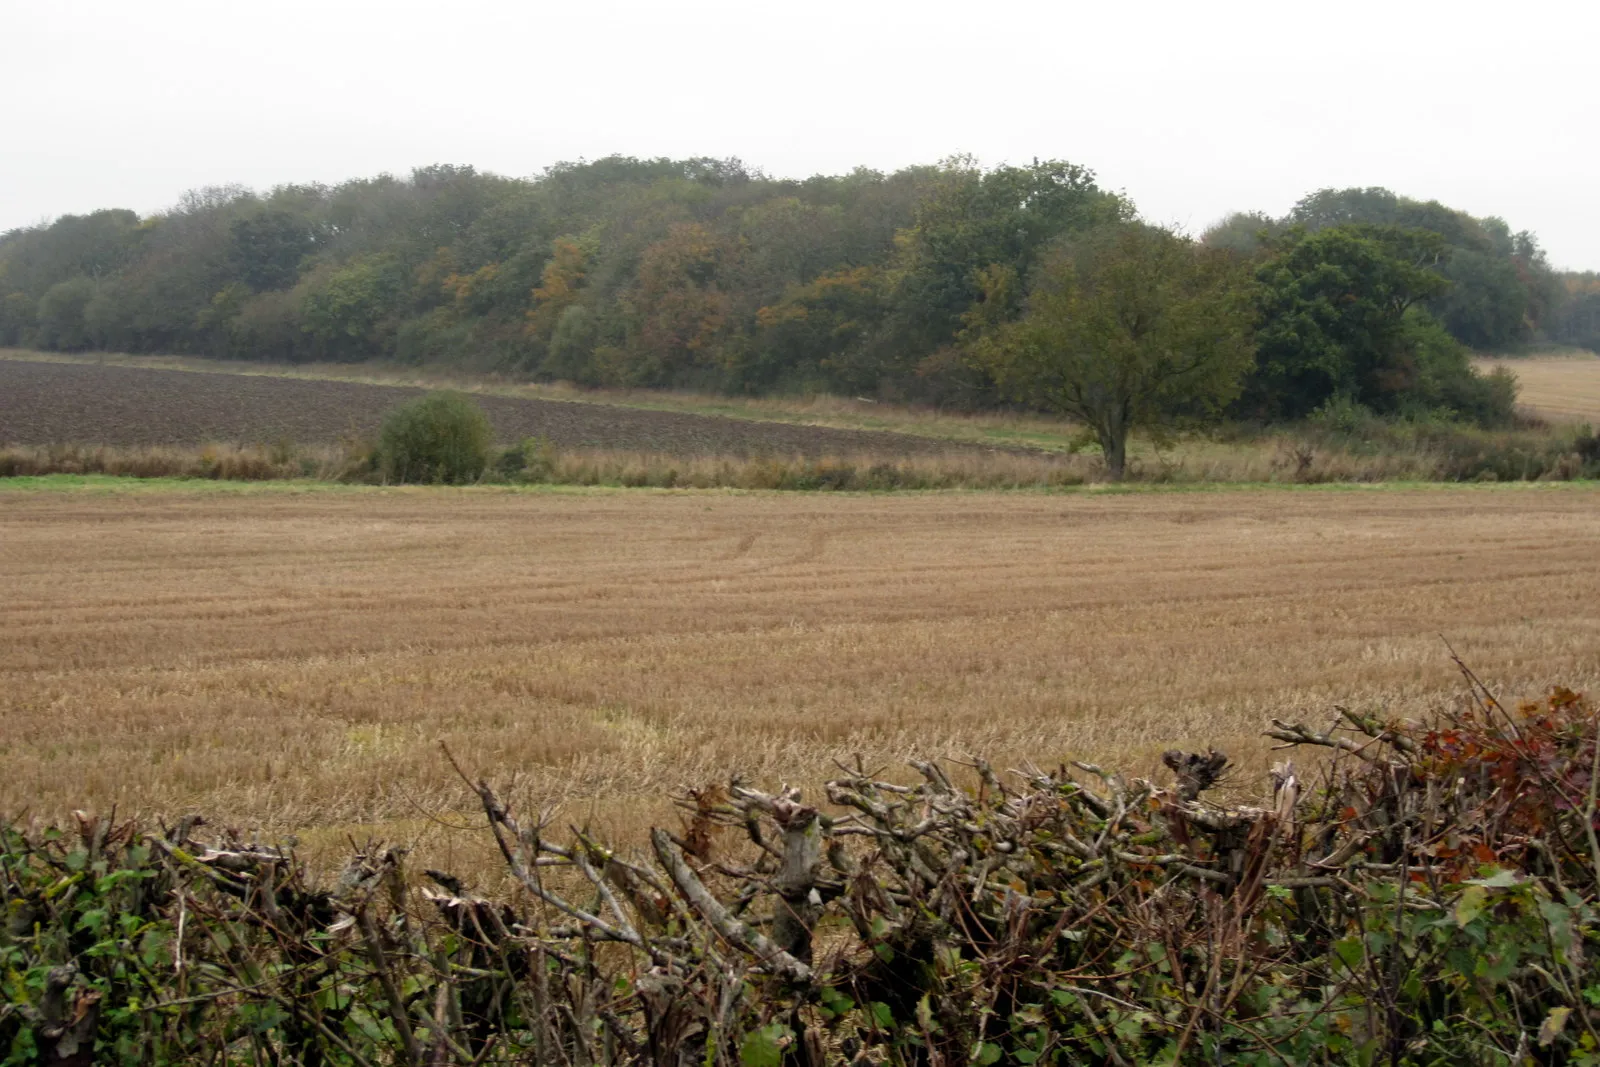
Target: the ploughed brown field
(76, 402)
(289, 661)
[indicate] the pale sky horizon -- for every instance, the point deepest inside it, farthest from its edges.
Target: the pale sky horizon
(1194, 111)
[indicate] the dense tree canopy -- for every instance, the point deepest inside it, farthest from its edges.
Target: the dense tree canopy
(1502, 289)
(1334, 314)
(1343, 317)
(706, 273)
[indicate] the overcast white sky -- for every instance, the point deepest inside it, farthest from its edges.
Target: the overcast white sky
(1194, 109)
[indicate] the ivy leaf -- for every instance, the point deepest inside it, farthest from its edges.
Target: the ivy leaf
(1558, 918)
(834, 1003)
(154, 945)
(1472, 902)
(1501, 879)
(764, 1047)
(93, 920)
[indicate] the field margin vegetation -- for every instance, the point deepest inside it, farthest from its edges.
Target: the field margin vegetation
(1313, 456)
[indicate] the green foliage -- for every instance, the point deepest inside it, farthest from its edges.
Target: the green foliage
(1127, 325)
(1245, 233)
(268, 326)
(1448, 450)
(18, 314)
(570, 352)
(1486, 305)
(816, 331)
(1503, 292)
(349, 312)
(265, 250)
(1342, 316)
(61, 319)
(95, 246)
(1446, 383)
(1576, 319)
(531, 462)
(972, 221)
(1374, 206)
(1334, 318)
(442, 437)
(1342, 415)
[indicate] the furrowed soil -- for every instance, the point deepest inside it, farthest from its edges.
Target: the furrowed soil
(289, 662)
(59, 402)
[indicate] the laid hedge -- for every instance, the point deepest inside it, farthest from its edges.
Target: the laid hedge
(1418, 893)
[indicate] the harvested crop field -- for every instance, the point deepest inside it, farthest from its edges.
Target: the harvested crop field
(289, 661)
(59, 402)
(1559, 387)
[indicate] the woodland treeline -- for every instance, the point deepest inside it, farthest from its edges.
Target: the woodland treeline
(707, 274)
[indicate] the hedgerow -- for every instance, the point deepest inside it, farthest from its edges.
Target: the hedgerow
(1417, 893)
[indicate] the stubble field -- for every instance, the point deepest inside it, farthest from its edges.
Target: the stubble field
(1557, 387)
(289, 661)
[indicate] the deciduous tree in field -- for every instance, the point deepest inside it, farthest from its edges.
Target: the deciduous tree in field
(1127, 325)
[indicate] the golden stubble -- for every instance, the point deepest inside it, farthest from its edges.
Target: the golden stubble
(289, 663)
(1560, 387)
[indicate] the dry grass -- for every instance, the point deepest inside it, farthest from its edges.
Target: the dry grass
(1266, 459)
(1558, 386)
(290, 661)
(221, 461)
(1275, 458)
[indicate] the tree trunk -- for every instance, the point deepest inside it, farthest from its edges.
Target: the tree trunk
(1114, 443)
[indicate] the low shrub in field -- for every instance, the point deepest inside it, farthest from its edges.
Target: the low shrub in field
(1432, 900)
(442, 437)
